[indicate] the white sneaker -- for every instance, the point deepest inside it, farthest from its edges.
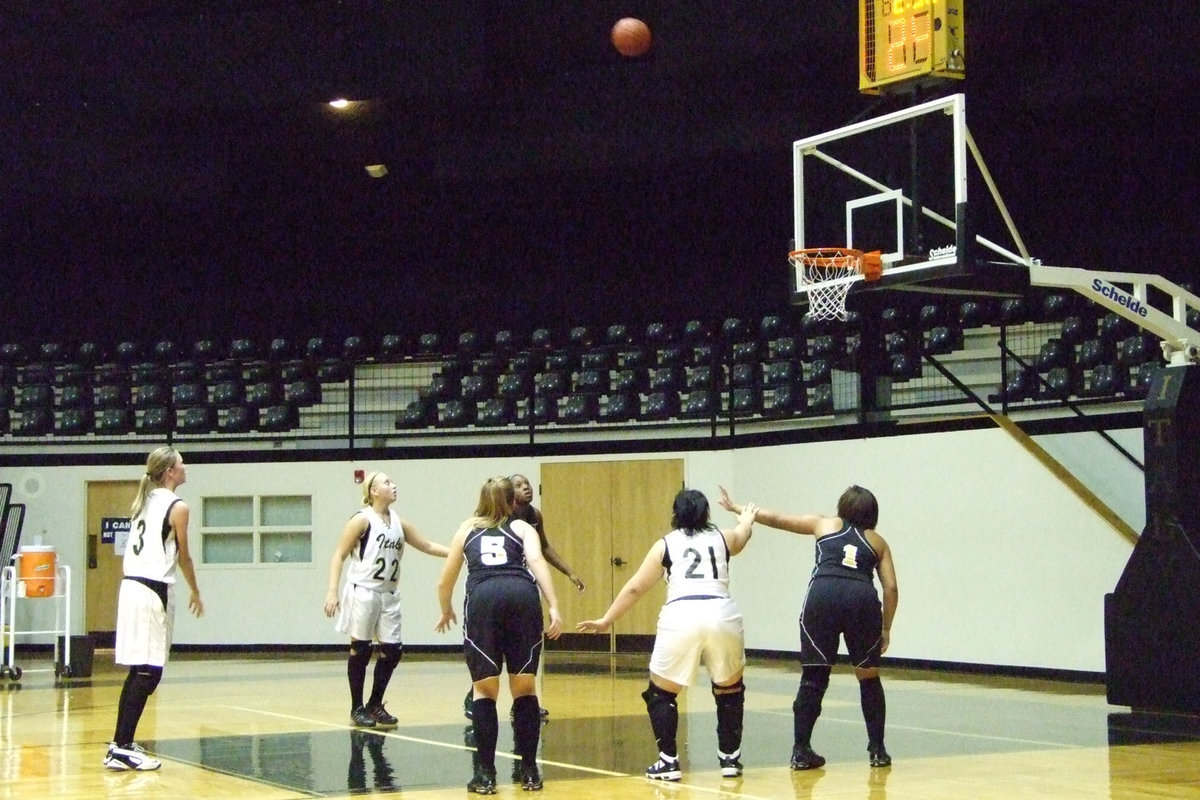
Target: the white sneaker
(665, 769)
(132, 757)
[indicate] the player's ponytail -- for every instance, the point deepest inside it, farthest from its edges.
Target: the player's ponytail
(496, 499)
(158, 462)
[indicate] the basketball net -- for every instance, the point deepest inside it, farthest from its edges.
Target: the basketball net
(826, 274)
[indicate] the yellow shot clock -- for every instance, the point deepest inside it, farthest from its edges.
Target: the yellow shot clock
(906, 43)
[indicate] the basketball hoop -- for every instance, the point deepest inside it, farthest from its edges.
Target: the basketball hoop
(826, 273)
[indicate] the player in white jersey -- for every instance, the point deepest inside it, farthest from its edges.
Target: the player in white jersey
(841, 602)
(698, 622)
(368, 606)
(157, 545)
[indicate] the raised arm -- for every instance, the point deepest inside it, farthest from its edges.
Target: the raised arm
(350, 534)
(648, 574)
(738, 537)
(414, 537)
(807, 524)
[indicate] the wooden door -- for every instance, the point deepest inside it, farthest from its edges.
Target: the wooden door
(103, 574)
(602, 516)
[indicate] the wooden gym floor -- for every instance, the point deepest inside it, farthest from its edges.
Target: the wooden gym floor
(277, 727)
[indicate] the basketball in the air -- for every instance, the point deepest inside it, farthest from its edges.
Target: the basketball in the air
(631, 37)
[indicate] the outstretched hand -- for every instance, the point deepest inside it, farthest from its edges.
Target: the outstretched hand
(448, 619)
(746, 516)
(592, 626)
(726, 503)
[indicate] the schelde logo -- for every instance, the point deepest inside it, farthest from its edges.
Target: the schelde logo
(1119, 297)
(938, 252)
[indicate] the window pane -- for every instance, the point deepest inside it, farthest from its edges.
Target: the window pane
(228, 548)
(285, 510)
(291, 547)
(228, 512)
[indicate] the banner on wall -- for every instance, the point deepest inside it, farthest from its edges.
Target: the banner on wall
(115, 531)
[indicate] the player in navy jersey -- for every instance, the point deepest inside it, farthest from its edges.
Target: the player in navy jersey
(368, 607)
(699, 622)
(841, 601)
(502, 625)
(157, 546)
(527, 511)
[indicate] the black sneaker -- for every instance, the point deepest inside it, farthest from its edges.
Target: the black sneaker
(130, 757)
(362, 718)
(803, 757)
(731, 767)
(469, 704)
(665, 769)
(879, 757)
(543, 712)
(484, 782)
(381, 716)
(531, 779)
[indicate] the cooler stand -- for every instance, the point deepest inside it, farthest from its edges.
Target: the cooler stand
(8, 619)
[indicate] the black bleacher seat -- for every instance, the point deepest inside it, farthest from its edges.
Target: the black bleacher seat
(1140, 378)
(187, 394)
(514, 385)
(228, 394)
(128, 352)
(318, 348)
(660, 405)
(1014, 311)
(702, 377)
(1136, 349)
(333, 370)
(261, 394)
(553, 384)
(770, 328)
(977, 313)
(785, 400)
(114, 421)
(1107, 380)
(818, 371)
(734, 330)
(580, 408)
(5, 420)
(392, 346)
(51, 353)
(12, 353)
(1053, 353)
(744, 352)
(746, 401)
(442, 387)
(7, 396)
(903, 366)
(523, 364)
(620, 407)
(259, 371)
(561, 360)
(784, 347)
(580, 337)
(629, 379)
(1061, 383)
(468, 344)
(278, 418)
(355, 350)
(297, 369)
(541, 339)
(825, 346)
(89, 353)
(820, 401)
(695, 331)
(665, 379)
(35, 395)
(243, 349)
(75, 396)
(302, 393)
(930, 316)
(1112, 328)
(72, 373)
(1075, 329)
(1093, 352)
(592, 381)
(155, 420)
(543, 410)
(223, 370)
(745, 374)
(205, 350)
(75, 421)
(700, 404)
(597, 358)
(658, 334)
(185, 372)
(237, 419)
(1021, 385)
(785, 372)
(476, 388)
(618, 336)
(489, 365)
(429, 344)
(164, 351)
(672, 355)
(505, 342)
(496, 412)
(639, 358)
(197, 419)
(147, 372)
(703, 353)
(417, 414)
(1054, 307)
(34, 422)
(456, 413)
(279, 350)
(943, 339)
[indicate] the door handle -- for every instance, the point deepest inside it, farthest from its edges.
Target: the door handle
(617, 561)
(92, 551)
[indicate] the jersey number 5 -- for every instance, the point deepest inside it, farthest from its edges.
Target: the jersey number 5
(491, 550)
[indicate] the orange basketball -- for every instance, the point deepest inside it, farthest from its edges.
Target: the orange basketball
(631, 37)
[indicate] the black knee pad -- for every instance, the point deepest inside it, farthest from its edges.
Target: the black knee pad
(729, 692)
(360, 651)
(816, 677)
(654, 696)
(390, 651)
